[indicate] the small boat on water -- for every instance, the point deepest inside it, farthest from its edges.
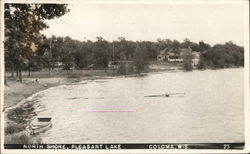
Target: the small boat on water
(39, 124)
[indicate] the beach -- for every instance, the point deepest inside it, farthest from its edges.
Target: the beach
(15, 91)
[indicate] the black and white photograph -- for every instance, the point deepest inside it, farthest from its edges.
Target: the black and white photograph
(125, 75)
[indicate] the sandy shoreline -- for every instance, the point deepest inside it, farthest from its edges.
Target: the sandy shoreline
(15, 91)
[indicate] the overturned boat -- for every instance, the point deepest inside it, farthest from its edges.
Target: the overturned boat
(39, 124)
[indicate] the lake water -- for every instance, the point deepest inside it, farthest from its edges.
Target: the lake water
(116, 111)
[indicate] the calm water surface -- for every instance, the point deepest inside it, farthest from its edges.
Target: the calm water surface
(116, 111)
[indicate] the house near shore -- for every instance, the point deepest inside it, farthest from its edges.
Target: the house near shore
(122, 65)
(163, 55)
(121, 62)
(169, 55)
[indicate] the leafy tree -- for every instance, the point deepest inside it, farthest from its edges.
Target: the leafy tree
(57, 45)
(175, 47)
(67, 55)
(187, 61)
(101, 53)
(224, 55)
(81, 57)
(163, 43)
(203, 46)
(33, 64)
(202, 63)
(124, 49)
(141, 59)
(44, 54)
(122, 69)
(186, 43)
(23, 23)
(189, 44)
(151, 49)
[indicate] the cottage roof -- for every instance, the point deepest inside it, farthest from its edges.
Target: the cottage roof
(165, 51)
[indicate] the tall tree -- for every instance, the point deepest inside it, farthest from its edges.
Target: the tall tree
(175, 47)
(102, 53)
(203, 46)
(125, 48)
(23, 23)
(141, 59)
(68, 49)
(187, 61)
(189, 44)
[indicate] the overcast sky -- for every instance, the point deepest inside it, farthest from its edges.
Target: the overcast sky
(211, 23)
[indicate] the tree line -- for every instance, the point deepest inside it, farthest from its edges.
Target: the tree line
(27, 49)
(222, 56)
(75, 54)
(97, 54)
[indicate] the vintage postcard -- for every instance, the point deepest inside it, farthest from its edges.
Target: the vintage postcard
(125, 76)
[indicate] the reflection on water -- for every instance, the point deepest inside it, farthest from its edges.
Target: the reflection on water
(116, 111)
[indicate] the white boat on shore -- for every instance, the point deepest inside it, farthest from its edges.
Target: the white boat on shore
(39, 124)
